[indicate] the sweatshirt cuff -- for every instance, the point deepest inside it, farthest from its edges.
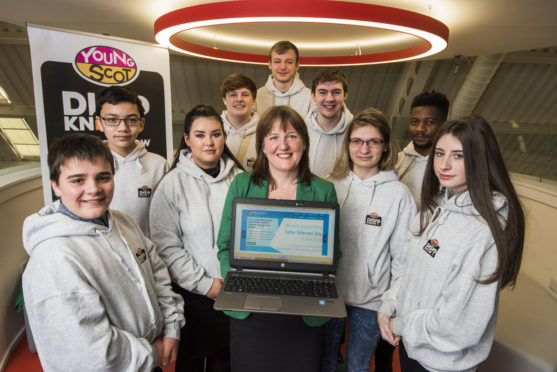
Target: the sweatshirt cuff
(204, 285)
(387, 308)
(398, 325)
(172, 330)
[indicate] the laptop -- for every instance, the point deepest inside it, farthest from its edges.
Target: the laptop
(283, 254)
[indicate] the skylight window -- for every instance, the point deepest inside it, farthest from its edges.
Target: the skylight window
(21, 138)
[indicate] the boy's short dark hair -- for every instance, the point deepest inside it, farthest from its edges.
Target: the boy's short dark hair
(77, 145)
(115, 95)
(433, 98)
(237, 81)
(283, 46)
(329, 74)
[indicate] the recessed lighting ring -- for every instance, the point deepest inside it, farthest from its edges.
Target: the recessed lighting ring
(433, 33)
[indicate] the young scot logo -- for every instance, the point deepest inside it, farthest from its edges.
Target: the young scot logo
(373, 219)
(106, 65)
(431, 247)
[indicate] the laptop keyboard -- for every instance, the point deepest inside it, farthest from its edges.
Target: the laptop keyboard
(279, 286)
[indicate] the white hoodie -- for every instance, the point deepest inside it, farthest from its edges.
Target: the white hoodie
(410, 168)
(298, 96)
(325, 147)
(96, 296)
(445, 317)
(136, 177)
(185, 219)
(374, 218)
(235, 139)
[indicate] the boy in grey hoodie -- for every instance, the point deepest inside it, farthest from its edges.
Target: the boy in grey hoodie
(121, 116)
(240, 121)
(284, 87)
(97, 294)
(328, 121)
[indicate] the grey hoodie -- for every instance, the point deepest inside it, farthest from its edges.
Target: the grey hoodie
(445, 317)
(185, 219)
(96, 296)
(235, 139)
(410, 168)
(373, 250)
(136, 177)
(298, 96)
(325, 147)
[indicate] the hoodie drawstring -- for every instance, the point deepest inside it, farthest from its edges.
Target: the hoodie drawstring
(207, 201)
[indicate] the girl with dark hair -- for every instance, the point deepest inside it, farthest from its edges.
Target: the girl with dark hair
(184, 218)
(375, 211)
(468, 246)
(269, 342)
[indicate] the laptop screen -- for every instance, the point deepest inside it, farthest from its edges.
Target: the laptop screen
(284, 231)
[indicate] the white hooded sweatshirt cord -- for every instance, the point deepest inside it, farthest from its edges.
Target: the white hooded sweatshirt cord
(185, 219)
(375, 214)
(325, 147)
(411, 169)
(445, 317)
(297, 97)
(136, 177)
(235, 139)
(96, 296)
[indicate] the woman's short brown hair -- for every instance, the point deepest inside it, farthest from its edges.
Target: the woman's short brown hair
(284, 115)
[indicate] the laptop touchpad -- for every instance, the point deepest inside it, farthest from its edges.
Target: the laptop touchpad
(262, 303)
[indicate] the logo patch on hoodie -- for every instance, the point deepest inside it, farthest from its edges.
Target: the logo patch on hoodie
(373, 219)
(431, 247)
(144, 192)
(141, 255)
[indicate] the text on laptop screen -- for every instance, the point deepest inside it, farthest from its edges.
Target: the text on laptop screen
(284, 233)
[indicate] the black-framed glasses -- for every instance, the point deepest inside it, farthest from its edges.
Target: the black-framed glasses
(114, 122)
(373, 142)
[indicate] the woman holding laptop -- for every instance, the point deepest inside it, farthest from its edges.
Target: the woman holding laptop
(275, 342)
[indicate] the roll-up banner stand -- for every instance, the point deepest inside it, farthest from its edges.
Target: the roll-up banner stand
(70, 67)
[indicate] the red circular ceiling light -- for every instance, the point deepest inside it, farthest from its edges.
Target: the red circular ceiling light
(433, 34)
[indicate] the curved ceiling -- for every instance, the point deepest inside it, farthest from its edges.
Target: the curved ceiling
(477, 27)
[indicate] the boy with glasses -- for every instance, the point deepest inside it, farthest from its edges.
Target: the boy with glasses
(120, 115)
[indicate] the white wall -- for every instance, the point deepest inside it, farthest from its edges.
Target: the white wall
(20, 196)
(539, 201)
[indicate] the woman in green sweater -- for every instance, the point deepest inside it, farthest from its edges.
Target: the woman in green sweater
(270, 342)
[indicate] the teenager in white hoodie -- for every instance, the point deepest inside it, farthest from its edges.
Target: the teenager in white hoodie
(121, 116)
(284, 87)
(328, 121)
(428, 111)
(185, 218)
(240, 121)
(467, 246)
(375, 212)
(97, 294)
